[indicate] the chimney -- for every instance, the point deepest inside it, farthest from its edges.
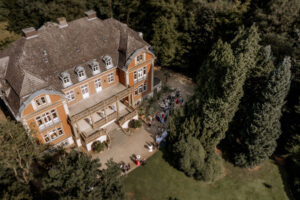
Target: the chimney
(91, 14)
(29, 33)
(62, 22)
(141, 35)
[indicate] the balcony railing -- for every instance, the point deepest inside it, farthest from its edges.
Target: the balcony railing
(137, 80)
(127, 117)
(49, 124)
(87, 138)
(101, 105)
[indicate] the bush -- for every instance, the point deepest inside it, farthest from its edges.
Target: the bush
(166, 89)
(213, 168)
(190, 156)
(135, 123)
(98, 146)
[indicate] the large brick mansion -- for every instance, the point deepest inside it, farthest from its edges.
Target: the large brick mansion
(67, 81)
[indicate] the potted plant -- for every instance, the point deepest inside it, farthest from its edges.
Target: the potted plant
(134, 124)
(98, 146)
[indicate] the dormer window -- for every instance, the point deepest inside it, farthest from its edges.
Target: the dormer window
(140, 58)
(95, 67)
(40, 101)
(108, 62)
(66, 80)
(80, 73)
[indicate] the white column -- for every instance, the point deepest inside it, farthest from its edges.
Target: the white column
(66, 108)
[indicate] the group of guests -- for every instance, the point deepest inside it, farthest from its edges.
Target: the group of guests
(125, 167)
(140, 161)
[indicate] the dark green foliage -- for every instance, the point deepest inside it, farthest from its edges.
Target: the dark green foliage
(293, 166)
(217, 96)
(166, 36)
(11, 188)
(213, 168)
(190, 156)
(18, 150)
(182, 127)
(3, 11)
(111, 184)
(77, 176)
(98, 146)
(293, 142)
(219, 93)
(135, 123)
(277, 20)
(263, 128)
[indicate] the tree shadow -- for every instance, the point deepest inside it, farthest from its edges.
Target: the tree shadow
(283, 170)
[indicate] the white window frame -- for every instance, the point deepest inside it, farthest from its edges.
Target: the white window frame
(145, 71)
(81, 74)
(85, 91)
(47, 119)
(139, 74)
(70, 95)
(66, 80)
(140, 58)
(145, 87)
(56, 131)
(41, 101)
(98, 85)
(141, 87)
(95, 67)
(108, 62)
(110, 78)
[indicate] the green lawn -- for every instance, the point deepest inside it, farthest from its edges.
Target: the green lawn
(158, 180)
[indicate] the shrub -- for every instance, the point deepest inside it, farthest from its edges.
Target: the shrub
(190, 156)
(135, 123)
(98, 146)
(166, 89)
(213, 168)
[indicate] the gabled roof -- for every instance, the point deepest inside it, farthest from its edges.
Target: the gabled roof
(36, 63)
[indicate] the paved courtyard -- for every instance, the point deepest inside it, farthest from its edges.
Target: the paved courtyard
(124, 147)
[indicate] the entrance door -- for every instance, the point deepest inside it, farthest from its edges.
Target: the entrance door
(85, 91)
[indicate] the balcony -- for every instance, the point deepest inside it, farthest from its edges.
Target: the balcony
(99, 101)
(49, 124)
(144, 77)
(87, 138)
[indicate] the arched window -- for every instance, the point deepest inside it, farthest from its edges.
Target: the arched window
(108, 62)
(95, 67)
(65, 78)
(80, 73)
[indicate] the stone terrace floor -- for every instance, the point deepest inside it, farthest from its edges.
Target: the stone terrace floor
(124, 147)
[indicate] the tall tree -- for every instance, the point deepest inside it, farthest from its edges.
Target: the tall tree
(220, 89)
(3, 11)
(77, 176)
(17, 150)
(11, 188)
(263, 128)
(293, 137)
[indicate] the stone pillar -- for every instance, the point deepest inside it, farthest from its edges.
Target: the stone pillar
(117, 104)
(92, 120)
(105, 114)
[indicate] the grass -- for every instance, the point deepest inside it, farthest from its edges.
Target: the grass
(160, 181)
